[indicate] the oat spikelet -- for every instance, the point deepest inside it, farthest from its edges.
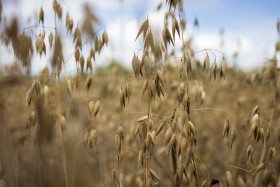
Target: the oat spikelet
(255, 111)
(67, 19)
(89, 64)
(29, 96)
(271, 153)
(232, 136)
(188, 63)
(250, 155)
(92, 54)
(240, 182)
(36, 85)
(39, 44)
(86, 138)
(82, 62)
(206, 63)
(147, 66)
(223, 68)
(70, 86)
(168, 135)
(213, 71)
(160, 127)
(258, 168)
(155, 178)
(166, 36)
(96, 108)
(143, 28)
(226, 128)
(88, 82)
(41, 16)
(175, 27)
(70, 26)
(91, 107)
(228, 178)
(93, 137)
(183, 24)
(172, 141)
(77, 54)
(59, 11)
(118, 145)
(135, 65)
(140, 159)
(50, 39)
(188, 156)
(149, 41)
(128, 90)
(181, 69)
(122, 98)
(105, 38)
(54, 5)
(121, 132)
(63, 122)
(181, 92)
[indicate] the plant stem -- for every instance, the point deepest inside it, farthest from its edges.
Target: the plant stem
(59, 118)
(148, 130)
(60, 132)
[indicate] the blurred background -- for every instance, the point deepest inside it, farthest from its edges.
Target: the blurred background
(244, 30)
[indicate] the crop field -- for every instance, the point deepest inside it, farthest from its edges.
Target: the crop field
(167, 120)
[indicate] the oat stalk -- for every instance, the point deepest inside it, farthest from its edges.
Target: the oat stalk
(59, 119)
(148, 129)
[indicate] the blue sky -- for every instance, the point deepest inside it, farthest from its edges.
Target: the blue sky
(252, 23)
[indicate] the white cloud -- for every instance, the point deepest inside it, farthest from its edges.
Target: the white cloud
(251, 53)
(123, 29)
